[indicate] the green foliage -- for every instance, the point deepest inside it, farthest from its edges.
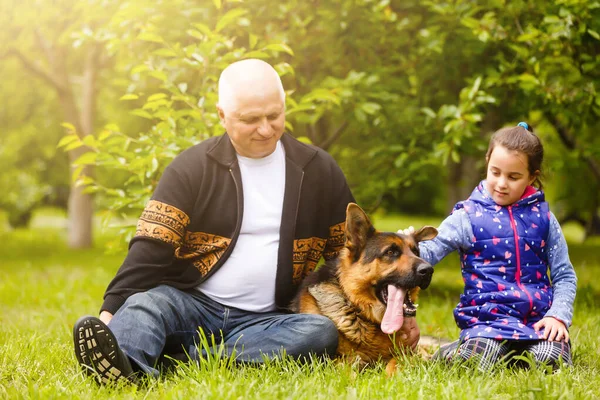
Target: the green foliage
(554, 65)
(33, 170)
(460, 122)
(172, 86)
(400, 92)
(37, 46)
(380, 65)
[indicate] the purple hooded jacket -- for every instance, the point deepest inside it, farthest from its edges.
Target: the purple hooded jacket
(505, 270)
(495, 304)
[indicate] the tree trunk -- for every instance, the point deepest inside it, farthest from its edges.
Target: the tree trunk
(80, 215)
(80, 205)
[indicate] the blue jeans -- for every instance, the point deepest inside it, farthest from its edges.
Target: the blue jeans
(165, 320)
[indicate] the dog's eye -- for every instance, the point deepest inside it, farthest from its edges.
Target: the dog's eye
(392, 253)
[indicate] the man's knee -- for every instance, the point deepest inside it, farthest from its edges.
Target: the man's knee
(155, 298)
(322, 334)
(150, 306)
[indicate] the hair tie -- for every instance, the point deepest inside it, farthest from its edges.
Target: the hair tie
(524, 125)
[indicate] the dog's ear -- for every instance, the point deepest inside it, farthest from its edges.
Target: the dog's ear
(425, 233)
(358, 229)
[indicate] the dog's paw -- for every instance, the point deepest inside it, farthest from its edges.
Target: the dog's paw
(391, 368)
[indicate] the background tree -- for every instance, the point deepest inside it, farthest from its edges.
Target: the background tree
(61, 45)
(33, 170)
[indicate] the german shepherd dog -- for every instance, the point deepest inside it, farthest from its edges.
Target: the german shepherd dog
(368, 289)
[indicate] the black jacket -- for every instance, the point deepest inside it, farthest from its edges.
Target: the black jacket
(191, 224)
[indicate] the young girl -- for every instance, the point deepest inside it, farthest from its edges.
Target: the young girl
(519, 282)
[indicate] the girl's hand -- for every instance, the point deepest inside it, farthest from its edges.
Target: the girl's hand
(554, 330)
(408, 231)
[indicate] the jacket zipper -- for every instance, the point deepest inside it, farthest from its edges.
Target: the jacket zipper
(518, 257)
(236, 232)
(279, 302)
(298, 201)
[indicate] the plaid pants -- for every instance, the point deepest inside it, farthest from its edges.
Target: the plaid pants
(488, 352)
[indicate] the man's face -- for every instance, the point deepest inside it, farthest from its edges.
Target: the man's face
(507, 175)
(255, 122)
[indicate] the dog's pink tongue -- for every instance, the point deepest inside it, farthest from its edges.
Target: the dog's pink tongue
(394, 313)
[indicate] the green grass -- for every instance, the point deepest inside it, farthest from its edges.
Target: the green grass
(45, 288)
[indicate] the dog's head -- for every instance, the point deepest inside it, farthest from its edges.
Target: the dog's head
(381, 272)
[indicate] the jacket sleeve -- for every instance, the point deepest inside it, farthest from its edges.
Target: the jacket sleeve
(562, 274)
(454, 233)
(160, 230)
(341, 197)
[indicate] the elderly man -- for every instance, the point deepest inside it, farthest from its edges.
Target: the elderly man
(234, 225)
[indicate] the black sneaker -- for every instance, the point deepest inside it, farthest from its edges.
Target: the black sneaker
(98, 353)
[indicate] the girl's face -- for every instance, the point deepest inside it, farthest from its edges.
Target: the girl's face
(507, 175)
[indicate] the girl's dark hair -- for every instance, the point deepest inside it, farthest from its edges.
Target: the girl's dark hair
(523, 140)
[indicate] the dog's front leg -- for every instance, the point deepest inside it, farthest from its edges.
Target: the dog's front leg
(391, 367)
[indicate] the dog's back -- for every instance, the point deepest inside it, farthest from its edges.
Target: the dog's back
(325, 273)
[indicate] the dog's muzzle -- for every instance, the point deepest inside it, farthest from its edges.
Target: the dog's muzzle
(424, 272)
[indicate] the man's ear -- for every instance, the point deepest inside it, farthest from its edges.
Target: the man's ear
(425, 233)
(358, 229)
(221, 114)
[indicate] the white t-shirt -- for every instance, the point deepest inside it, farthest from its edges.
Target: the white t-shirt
(247, 278)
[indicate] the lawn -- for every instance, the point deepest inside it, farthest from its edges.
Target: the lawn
(45, 288)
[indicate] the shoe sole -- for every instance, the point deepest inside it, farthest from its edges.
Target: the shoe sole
(97, 352)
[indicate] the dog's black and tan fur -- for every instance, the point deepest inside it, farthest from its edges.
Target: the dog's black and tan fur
(352, 289)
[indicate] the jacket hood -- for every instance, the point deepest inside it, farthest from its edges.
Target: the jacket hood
(481, 195)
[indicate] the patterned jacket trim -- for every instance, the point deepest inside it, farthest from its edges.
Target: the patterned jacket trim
(203, 249)
(163, 222)
(307, 252)
(336, 240)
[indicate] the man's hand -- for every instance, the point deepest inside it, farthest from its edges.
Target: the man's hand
(554, 330)
(105, 317)
(410, 333)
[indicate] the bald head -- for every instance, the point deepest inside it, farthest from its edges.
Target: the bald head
(242, 79)
(251, 107)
